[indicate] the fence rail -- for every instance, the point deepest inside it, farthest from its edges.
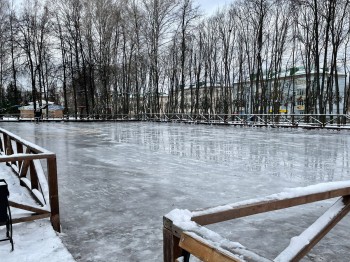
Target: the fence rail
(24, 159)
(273, 120)
(184, 232)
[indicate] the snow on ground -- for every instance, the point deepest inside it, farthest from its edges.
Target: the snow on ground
(33, 241)
(117, 180)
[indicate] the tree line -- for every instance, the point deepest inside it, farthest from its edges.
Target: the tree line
(122, 56)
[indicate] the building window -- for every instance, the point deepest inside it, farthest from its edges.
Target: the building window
(300, 92)
(300, 102)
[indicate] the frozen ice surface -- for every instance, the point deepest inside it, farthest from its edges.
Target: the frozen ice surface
(117, 180)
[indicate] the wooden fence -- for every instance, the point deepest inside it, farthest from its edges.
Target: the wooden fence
(184, 232)
(25, 160)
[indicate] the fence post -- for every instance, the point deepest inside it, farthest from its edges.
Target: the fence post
(53, 193)
(171, 248)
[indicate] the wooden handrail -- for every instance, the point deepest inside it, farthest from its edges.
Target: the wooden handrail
(33, 147)
(184, 230)
(23, 157)
(314, 233)
(262, 205)
(201, 249)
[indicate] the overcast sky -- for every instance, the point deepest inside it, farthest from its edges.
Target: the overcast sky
(210, 6)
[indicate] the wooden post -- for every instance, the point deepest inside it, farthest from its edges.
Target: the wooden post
(5, 136)
(33, 176)
(1, 147)
(53, 193)
(9, 148)
(171, 248)
(19, 151)
(24, 168)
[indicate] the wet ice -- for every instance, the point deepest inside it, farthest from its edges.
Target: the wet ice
(117, 180)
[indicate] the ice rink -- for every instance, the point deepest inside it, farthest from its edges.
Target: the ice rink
(117, 180)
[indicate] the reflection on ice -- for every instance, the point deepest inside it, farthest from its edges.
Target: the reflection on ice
(117, 180)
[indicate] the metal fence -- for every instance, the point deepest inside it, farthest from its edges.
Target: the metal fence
(272, 120)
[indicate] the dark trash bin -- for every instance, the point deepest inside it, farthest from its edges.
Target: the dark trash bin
(5, 212)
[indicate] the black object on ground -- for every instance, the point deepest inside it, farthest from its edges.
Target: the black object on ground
(5, 212)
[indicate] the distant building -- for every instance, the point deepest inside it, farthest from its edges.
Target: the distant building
(291, 89)
(54, 111)
(287, 91)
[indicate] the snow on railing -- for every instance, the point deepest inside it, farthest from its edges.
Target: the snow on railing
(24, 158)
(312, 233)
(184, 232)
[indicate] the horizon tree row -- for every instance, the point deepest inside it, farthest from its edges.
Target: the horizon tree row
(123, 56)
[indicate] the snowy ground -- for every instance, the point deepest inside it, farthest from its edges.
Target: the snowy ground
(33, 241)
(117, 180)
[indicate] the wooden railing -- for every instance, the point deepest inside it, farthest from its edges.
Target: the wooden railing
(184, 232)
(24, 159)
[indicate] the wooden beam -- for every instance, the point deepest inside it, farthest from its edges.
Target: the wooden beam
(24, 168)
(19, 147)
(25, 182)
(53, 193)
(171, 248)
(34, 148)
(5, 136)
(9, 149)
(28, 208)
(20, 157)
(29, 218)
(33, 176)
(312, 235)
(1, 147)
(211, 216)
(204, 251)
(172, 244)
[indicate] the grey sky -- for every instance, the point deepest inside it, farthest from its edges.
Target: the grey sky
(210, 6)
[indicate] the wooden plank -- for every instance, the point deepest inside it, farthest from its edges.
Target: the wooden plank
(204, 251)
(207, 217)
(9, 149)
(25, 182)
(171, 248)
(34, 148)
(19, 157)
(19, 147)
(5, 136)
(33, 176)
(24, 168)
(28, 208)
(1, 146)
(29, 218)
(44, 187)
(53, 193)
(316, 231)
